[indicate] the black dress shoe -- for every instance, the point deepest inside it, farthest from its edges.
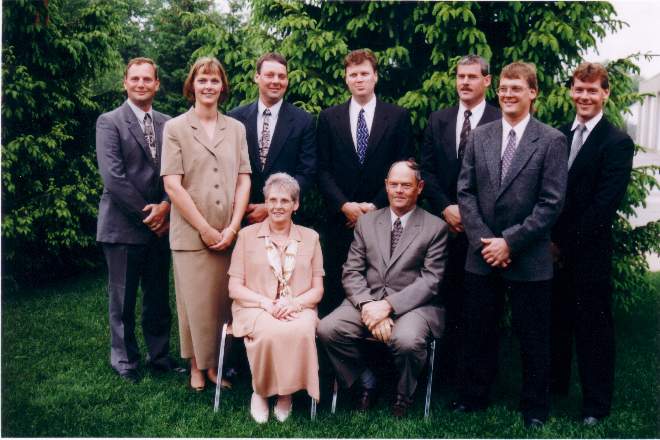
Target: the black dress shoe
(166, 365)
(461, 407)
(131, 376)
(400, 406)
(533, 423)
(365, 399)
(590, 421)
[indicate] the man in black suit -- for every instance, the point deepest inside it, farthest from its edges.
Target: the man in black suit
(600, 162)
(510, 191)
(443, 149)
(280, 135)
(357, 142)
(133, 222)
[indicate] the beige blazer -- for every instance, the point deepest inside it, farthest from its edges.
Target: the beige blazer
(249, 263)
(210, 169)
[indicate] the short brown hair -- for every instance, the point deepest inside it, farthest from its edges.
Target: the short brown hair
(140, 60)
(589, 72)
(206, 65)
(411, 163)
(271, 56)
(359, 56)
(521, 70)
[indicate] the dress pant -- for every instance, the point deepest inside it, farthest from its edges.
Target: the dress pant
(130, 266)
(582, 310)
(338, 239)
(342, 332)
(530, 315)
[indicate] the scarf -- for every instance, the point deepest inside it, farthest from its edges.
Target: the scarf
(282, 271)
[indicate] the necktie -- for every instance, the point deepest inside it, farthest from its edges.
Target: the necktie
(509, 151)
(577, 143)
(362, 136)
(150, 135)
(264, 145)
(465, 130)
(397, 230)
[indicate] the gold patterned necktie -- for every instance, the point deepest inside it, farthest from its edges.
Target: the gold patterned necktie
(264, 145)
(150, 135)
(397, 230)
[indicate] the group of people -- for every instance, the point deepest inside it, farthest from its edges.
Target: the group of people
(515, 208)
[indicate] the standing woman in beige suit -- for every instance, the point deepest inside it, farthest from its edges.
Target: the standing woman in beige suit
(206, 170)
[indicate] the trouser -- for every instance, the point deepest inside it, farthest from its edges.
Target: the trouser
(338, 240)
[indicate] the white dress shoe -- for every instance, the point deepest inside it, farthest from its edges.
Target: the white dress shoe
(282, 415)
(259, 415)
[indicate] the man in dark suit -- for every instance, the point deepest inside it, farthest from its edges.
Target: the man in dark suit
(280, 136)
(600, 162)
(510, 192)
(443, 149)
(357, 142)
(133, 222)
(391, 277)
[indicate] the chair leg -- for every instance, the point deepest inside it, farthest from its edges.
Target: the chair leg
(221, 358)
(429, 383)
(335, 391)
(312, 410)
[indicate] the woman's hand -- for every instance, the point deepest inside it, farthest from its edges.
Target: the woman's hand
(226, 239)
(285, 309)
(211, 237)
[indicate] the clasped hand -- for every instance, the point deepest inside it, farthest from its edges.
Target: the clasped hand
(496, 252)
(376, 316)
(157, 219)
(216, 240)
(284, 309)
(353, 211)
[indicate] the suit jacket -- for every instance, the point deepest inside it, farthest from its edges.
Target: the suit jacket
(439, 161)
(341, 176)
(292, 149)
(597, 182)
(131, 178)
(410, 277)
(524, 208)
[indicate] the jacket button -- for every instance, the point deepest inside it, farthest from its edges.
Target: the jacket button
(216, 186)
(215, 170)
(217, 202)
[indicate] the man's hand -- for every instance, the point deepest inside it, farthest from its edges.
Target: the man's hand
(157, 217)
(163, 229)
(496, 252)
(367, 207)
(352, 211)
(453, 218)
(256, 212)
(555, 252)
(375, 311)
(383, 330)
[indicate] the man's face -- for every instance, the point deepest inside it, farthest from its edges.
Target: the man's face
(402, 188)
(273, 81)
(589, 98)
(515, 98)
(471, 84)
(361, 80)
(141, 84)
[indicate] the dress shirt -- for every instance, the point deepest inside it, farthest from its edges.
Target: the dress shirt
(353, 112)
(477, 113)
(519, 129)
(274, 113)
(589, 125)
(404, 218)
(139, 113)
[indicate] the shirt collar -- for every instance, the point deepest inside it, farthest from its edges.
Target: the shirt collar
(519, 128)
(404, 218)
(274, 109)
(477, 111)
(139, 113)
(590, 124)
(369, 107)
(264, 231)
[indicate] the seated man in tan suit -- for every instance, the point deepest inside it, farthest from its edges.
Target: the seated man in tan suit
(391, 278)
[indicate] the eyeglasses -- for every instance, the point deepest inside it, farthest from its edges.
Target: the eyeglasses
(515, 90)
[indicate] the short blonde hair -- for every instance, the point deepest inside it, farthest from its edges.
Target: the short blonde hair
(285, 182)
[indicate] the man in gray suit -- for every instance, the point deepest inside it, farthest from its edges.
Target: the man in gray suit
(510, 193)
(133, 222)
(391, 278)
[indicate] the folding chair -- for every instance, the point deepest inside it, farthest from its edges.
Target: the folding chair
(429, 383)
(227, 331)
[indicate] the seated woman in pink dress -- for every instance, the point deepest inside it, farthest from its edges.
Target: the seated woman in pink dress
(276, 281)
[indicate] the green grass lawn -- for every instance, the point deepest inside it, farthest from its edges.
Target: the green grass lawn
(57, 382)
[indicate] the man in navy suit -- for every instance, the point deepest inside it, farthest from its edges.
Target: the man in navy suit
(600, 162)
(133, 222)
(443, 149)
(357, 142)
(280, 136)
(510, 193)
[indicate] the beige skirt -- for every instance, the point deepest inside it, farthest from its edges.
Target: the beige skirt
(202, 302)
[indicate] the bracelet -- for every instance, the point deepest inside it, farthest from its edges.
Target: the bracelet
(232, 230)
(299, 306)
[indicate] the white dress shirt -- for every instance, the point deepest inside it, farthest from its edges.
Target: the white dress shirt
(589, 125)
(519, 129)
(274, 113)
(404, 218)
(477, 113)
(353, 112)
(139, 113)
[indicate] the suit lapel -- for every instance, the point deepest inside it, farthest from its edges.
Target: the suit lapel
(412, 230)
(282, 130)
(219, 133)
(378, 127)
(136, 131)
(344, 129)
(450, 135)
(198, 131)
(492, 150)
(525, 149)
(589, 148)
(383, 231)
(251, 132)
(159, 123)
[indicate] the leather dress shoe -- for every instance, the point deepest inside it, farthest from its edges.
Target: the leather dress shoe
(590, 421)
(166, 365)
(131, 376)
(533, 423)
(365, 399)
(461, 407)
(400, 406)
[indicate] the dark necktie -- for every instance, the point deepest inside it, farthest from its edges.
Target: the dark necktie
(264, 145)
(577, 143)
(397, 230)
(362, 136)
(509, 151)
(465, 130)
(150, 135)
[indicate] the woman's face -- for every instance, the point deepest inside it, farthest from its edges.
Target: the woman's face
(280, 205)
(208, 87)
